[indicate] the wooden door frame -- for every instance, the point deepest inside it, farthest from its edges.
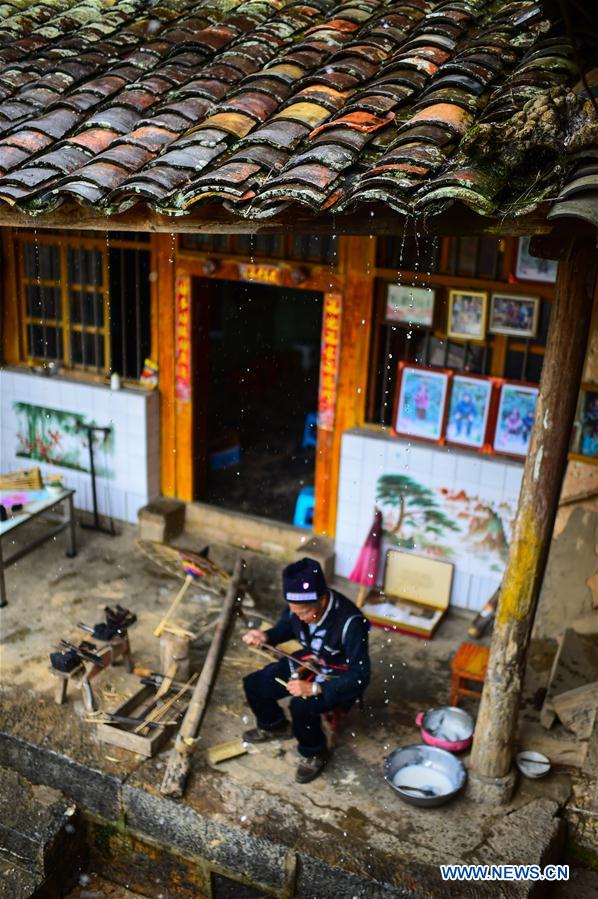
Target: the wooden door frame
(353, 281)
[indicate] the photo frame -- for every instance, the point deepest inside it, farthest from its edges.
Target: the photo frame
(530, 268)
(584, 439)
(514, 418)
(514, 315)
(467, 314)
(420, 402)
(407, 305)
(469, 410)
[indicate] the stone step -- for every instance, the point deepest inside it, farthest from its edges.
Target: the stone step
(37, 833)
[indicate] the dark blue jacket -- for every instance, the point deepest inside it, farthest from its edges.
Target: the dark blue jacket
(340, 641)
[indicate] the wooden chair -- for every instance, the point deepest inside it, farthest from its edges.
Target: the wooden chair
(468, 667)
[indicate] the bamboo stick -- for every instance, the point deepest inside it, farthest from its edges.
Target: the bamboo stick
(158, 711)
(178, 765)
(174, 605)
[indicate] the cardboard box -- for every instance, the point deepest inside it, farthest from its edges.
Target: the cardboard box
(415, 596)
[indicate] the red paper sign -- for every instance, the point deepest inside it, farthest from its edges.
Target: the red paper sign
(331, 337)
(265, 274)
(182, 375)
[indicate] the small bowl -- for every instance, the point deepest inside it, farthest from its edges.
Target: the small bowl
(55, 489)
(532, 764)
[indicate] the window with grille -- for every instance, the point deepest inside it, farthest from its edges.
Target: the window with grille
(85, 302)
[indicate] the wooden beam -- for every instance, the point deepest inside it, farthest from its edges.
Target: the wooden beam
(538, 503)
(215, 219)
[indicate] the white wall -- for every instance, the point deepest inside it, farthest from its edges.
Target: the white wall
(488, 482)
(134, 415)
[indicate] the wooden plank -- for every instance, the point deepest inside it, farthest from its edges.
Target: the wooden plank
(590, 766)
(574, 666)
(576, 709)
(560, 749)
(221, 752)
(543, 474)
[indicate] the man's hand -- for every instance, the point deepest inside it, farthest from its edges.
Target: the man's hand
(300, 687)
(254, 637)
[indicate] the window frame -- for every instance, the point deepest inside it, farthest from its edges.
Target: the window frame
(63, 242)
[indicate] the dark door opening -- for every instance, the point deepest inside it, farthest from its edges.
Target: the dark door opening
(263, 360)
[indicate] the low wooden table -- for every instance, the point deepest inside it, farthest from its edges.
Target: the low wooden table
(34, 509)
(468, 667)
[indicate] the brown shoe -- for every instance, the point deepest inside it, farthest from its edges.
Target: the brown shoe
(310, 768)
(259, 735)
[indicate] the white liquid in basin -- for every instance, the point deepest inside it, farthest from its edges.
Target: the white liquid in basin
(424, 777)
(448, 726)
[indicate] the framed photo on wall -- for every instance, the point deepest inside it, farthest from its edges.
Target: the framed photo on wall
(584, 441)
(530, 268)
(420, 402)
(515, 418)
(410, 305)
(514, 315)
(469, 407)
(467, 311)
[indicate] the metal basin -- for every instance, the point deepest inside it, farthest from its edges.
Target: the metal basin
(447, 728)
(433, 775)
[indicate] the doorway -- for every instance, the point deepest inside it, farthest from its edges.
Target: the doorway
(259, 374)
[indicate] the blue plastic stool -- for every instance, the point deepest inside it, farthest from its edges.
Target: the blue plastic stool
(310, 430)
(304, 508)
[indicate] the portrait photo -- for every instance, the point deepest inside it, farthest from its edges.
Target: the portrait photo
(514, 315)
(410, 305)
(531, 268)
(469, 406)
(515, 419)
(467, 311)
(584, 440)
(421, 403)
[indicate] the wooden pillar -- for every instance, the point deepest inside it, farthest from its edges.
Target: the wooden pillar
(10, 330)
(163, 286)
(357, 264)
(538, 502)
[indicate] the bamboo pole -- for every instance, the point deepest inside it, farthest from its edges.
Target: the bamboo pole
(177, 769)
(174, 605)
(543, 474)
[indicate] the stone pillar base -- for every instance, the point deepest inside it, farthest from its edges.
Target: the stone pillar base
(491, 790)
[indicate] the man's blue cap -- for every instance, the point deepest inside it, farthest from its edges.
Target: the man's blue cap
(303, 581)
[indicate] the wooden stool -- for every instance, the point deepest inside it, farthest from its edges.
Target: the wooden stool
(470, 664)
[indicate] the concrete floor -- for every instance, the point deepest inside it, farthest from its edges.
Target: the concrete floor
(247, 814)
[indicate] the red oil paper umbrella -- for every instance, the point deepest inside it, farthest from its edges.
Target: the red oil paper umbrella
(366, 567)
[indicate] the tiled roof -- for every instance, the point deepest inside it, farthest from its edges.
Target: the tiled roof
(265, 104)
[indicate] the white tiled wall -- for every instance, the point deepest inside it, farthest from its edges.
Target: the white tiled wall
(367, 455)
(134, 416)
